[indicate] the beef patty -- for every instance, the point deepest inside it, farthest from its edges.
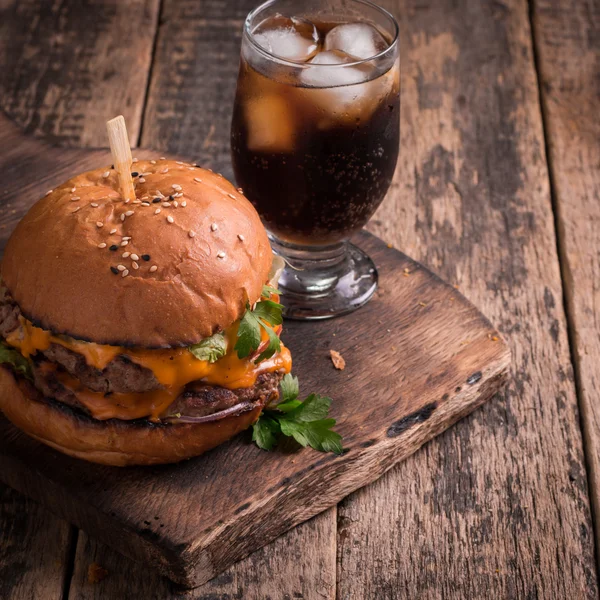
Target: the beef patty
(198, 399)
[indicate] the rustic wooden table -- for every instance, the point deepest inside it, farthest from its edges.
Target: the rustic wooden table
(497, 190)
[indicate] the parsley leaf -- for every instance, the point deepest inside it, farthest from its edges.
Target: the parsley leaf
(265, 432)
(304, 421)
(266, 314)
(16, 360)
(268, 290)
(290, 388)
(269, 311)
(210, 349)
(248, 334)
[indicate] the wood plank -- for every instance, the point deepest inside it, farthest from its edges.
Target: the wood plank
(191, 94)
(567, 37)
(70, 66)
(264, 574)
(35, 549)
(497, 507)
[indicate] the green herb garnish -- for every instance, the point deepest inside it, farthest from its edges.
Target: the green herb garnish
(210, 349)
(266, 314)
(16, 360)
(303, 420)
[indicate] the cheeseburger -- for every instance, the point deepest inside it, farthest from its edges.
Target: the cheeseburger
(139, 331)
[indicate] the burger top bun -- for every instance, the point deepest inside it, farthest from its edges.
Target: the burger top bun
(168, 269)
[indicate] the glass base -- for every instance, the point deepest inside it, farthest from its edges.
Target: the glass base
(321, 282)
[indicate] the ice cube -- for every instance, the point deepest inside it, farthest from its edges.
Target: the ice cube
(326, 76)
(344, 95)
(356, 39)
(294, 38)
(270, 123)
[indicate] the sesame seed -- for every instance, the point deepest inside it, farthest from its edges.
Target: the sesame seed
(125, 237)
(214, 227)
(94, 204)
(175, 204)
(192, 234)
(125, 254)
(197, 179)
(135, 265)
(221, 255)
(125, 243)
(106, 174)
(123, 217)
(145, 257)
(231, 196)
(125, 273)
(146, 173)
(170, 219)
(121, 267)
(153, 268)
(152, 162)
(145, 203)
(114, 270)
(99, 224)
(73, 189)
(77, 208)
(241, 237)
(157, 211)
(137, 202)
(176, 187)
(178, 162)
(102, 245)
(49, 192)
(171, 198)
(194, 164)
(135, 257)
(178, 195)
(165, 170)
(126, 201)
(162, 158)
(113, 248)
(156, 200)
(112, 231)
(184, 204)
(166, 205)
(135, 174)
(128, 213)
(240, 190)
(134, 160)
(142, 180)
(190, 168)
(75, 198)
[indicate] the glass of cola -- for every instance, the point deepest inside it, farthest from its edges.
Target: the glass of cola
(315, 139)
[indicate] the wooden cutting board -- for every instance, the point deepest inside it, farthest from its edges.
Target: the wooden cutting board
(418, 357)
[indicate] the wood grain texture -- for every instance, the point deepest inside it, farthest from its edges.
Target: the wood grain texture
(568, 49)
(35, 549)
(281, 570)
(497, 507)
(194, 75)
(69, 66)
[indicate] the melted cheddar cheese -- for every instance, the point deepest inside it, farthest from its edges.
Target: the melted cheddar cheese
(173, 369)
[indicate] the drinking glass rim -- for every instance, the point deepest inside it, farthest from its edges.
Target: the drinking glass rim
(307, 65)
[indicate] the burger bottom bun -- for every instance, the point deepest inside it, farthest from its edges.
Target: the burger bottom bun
(112, 442)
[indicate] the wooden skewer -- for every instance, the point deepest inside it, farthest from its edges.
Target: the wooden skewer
(121, 153)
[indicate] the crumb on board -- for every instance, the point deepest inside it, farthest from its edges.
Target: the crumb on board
(338, 360)
(96, 573)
